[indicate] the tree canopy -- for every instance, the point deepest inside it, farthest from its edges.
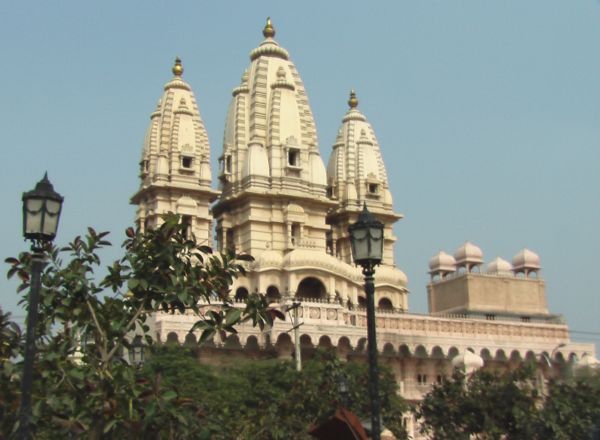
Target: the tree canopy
(269, 399)
(83, 386)
(508, 406)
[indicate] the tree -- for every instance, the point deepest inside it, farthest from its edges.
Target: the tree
(10, 342)
(83, 386)
(572, 408)
(269, 399)
(482, 406)
(508, 406)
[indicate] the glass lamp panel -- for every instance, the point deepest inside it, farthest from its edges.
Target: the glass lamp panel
(53, 206)
(33, 216)
(134, 355)
(50, 224)
(51, 217)
(376, 232)
(353, 248)
(357, 235)
(361, 249)
(376, 248)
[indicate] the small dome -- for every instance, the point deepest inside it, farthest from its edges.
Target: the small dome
(499, 266)
(467, 361)
(311, 258)
(588, 360)
(391, 275)
(526, 260)
(442, 262)
(268, 259)
(468, 254)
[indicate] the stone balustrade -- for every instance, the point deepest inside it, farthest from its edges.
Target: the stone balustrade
(396, 332)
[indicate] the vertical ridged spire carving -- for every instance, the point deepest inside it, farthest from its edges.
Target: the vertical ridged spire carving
(175, 166)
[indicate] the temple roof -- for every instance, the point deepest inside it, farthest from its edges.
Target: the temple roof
(176, 130)
(356, 171)
(270, 116)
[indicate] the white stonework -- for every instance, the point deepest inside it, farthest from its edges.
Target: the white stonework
(277, 202)
(175, 167)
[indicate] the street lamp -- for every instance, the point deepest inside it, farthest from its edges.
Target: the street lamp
(41, 212)
(137, 352)
(344, 390)
(366, 236)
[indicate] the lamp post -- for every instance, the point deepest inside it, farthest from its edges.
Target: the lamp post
(41, 212)
(366, 236)
(137, 352)
(344, 390)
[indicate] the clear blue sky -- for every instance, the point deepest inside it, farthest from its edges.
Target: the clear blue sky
(488, 114)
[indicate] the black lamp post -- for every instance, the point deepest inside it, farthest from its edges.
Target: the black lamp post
(366, 236)
(137, 352)
(41, 212)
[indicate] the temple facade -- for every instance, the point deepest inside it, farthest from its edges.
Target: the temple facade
(278, 202)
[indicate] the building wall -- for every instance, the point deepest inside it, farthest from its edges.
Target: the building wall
(491, 293)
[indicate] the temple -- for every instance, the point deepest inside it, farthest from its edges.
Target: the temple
(277, 201)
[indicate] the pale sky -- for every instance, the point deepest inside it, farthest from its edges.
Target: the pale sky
(487, 113)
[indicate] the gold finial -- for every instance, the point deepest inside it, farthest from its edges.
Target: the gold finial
(269, 30)
(178, 67)
(353, 102)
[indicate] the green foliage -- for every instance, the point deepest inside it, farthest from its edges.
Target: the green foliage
(507, 406)
(10, 344)
(269, 399)
(83, 387)
(572, 408)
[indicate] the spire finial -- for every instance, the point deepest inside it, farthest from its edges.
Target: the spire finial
(178, 67)
(353, 102)
(269, 30)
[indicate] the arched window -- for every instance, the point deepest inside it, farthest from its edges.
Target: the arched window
(311, 288)
(385, 304)
(172, 338)
(241, 294)
(362, 301)
(190, 340)
(273, 294)
(186, 221)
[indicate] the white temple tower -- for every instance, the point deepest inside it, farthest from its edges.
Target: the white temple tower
(355, 175)
(273, 202)
(175, 167)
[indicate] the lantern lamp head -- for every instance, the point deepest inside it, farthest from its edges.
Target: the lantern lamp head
(137, 352)
(366, 236)
(41, 212)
